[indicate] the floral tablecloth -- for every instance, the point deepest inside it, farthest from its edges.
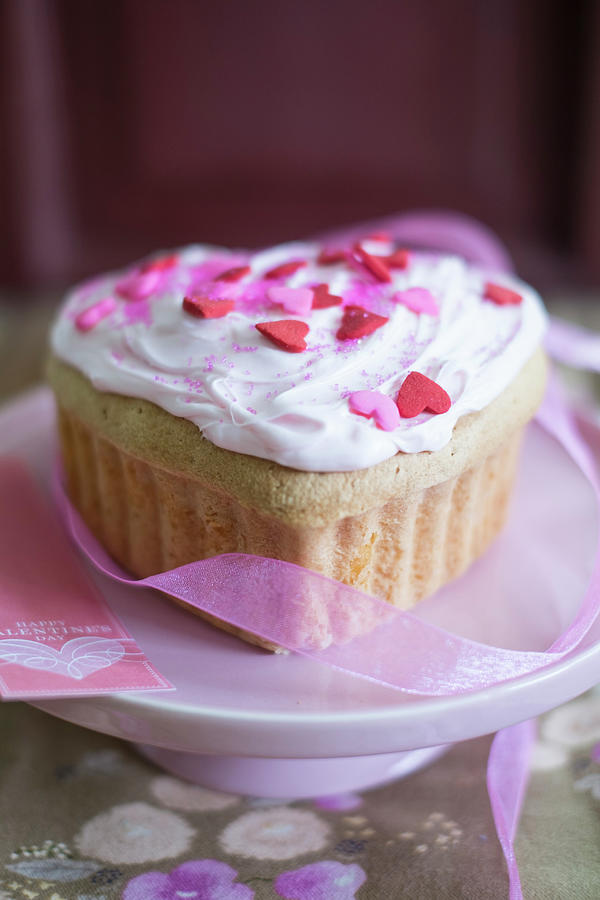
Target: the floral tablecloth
(83, 817)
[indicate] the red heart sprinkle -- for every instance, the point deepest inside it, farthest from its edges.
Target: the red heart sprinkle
(399, 259)
(161, 264)
(285, 269)
(376, 265)
(503, 296)
(287, 334)
(329, 257)
(322, 299)
(203, 308)
(234, 274)
(358, 322)
(419, 393)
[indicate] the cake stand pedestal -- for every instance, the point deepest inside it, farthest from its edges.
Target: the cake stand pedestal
(282, 778)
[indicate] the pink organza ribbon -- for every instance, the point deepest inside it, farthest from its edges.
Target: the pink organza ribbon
(325, 620)
(574, 346)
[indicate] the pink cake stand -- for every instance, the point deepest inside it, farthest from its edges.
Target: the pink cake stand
(251, 722)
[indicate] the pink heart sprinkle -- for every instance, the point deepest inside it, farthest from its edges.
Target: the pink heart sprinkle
(379, 407)
(417, 299)
(297, 301)
(90, 317)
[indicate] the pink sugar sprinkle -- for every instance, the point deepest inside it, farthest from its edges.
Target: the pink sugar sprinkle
(194, 384)
(239, 349)
(138, 312)
(250, 410)
(90, 317)
(362, 294)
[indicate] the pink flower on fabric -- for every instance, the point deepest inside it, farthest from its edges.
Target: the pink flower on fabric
(134, 833)
(199, 879)
(327, 880)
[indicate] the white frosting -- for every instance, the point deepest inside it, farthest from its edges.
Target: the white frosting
(247, 395)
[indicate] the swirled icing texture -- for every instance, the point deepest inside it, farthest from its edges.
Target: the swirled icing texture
(246, 395)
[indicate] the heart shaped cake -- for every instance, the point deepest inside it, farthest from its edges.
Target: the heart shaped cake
(356, 410)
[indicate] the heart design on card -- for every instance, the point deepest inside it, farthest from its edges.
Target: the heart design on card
(76, 659)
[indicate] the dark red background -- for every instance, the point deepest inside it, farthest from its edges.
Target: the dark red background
(128, 126)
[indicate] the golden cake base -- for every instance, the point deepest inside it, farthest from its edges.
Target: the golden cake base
(398, 530)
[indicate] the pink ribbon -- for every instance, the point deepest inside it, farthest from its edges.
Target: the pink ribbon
(288, 605)
(507, 776)
(573, 345)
